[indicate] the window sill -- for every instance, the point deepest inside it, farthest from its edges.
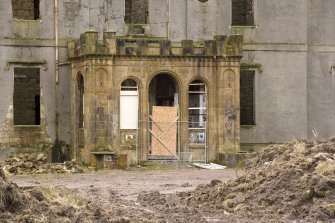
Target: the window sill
(248, 126)
(27, 20)
(243, 27)
(28, 127)
(193, 145)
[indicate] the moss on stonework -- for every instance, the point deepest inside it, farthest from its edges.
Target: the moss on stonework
(134, 38)
(199, 44)
(229, 47)
(247, 66)
(91, 31)
(236, 38)
(136, 26)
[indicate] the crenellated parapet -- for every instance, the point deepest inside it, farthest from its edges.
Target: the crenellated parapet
(90, 45)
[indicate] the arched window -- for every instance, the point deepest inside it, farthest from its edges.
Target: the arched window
(197, 97)
(129, 104)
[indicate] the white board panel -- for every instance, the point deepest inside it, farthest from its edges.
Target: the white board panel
(129, 111)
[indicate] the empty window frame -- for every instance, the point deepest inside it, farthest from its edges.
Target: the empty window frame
(26, 9)
(27, 96)
(243, 13)
(247, 97)
(80, 100)
(136, 11)
(197, 97)
(129, 105)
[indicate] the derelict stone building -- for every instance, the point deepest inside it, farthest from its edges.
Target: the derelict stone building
(164, 78)
(153, 99)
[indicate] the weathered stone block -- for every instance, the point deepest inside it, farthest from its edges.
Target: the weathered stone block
(91, 41)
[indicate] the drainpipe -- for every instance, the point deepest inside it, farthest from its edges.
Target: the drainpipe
(56, 42)
(168, 19)
(186, 22)
(56, 66)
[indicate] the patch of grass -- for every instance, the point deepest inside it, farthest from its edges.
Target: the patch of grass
(150, 166)
(64, 198)
(326, 168)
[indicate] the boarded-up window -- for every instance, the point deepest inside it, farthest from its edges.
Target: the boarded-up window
(27, 96)
(243, 12)
(26, 9)
(129, 105)
(137, 11)
(247, 97)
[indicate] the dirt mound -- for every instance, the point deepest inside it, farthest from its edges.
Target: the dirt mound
(285, 183)
(39, 205)
(10, 198)
(293, 181)
(32, 163)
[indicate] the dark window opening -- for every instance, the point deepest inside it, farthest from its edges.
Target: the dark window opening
(163, 91)
(247, 97)
(80, 100)
(37, 110)
(26, 9)
(27, 96)
(243, 12)
(136, 11)
(129, 85)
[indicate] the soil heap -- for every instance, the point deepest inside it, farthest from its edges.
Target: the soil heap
(293, 181)
(288, 182)
(37, 205)
(37, 163)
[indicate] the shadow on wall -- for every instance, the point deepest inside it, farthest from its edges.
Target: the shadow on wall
(60, 152)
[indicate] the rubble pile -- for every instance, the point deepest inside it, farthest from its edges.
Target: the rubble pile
(32, 163)
(293, 181)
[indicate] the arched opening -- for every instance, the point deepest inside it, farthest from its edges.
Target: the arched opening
(197, 115)
(163, 117)
(163, 91)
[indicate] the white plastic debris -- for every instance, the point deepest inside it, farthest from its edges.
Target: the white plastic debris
(210, 166)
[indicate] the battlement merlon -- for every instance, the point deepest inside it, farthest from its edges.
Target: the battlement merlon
(89, 45)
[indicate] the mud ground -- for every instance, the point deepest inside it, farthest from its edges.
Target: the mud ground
(115, 196)
(126, 185)
(291, 182)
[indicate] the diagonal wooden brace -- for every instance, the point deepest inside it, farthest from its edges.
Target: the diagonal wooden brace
(161, 142)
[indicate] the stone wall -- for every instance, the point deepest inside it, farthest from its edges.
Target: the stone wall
(89, 44)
